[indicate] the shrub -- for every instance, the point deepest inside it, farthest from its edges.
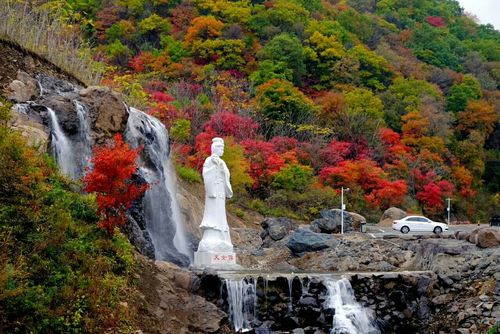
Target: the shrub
(181, 130)
(293, 177)
(58, 272)
(188, 174)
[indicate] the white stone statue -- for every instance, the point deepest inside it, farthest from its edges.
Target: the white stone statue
(215, 246)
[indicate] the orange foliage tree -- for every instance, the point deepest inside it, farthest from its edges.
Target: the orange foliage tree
(111, 180)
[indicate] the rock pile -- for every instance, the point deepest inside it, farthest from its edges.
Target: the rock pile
(482, 237)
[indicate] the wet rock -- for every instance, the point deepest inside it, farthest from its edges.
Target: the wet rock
(308, 301)
(54, 86)
(64, 108)
(302, 241)
(390, 215)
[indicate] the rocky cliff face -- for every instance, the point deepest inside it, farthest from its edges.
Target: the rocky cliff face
(67, 120)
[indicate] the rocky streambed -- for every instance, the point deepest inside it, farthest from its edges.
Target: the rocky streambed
(407, 284)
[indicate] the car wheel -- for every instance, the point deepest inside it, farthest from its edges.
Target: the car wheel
(438, 230)
(405, 229)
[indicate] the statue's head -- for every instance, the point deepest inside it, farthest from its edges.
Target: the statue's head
(218, 146)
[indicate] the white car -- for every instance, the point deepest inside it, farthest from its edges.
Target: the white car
(418, 224)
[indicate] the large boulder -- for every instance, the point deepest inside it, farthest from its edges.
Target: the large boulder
(275, 229)
(108, 112)
(391, 215)
(357, 220)
(30, 127)
(302, 241)
(330, 221)
(488, 237)
(23, 89)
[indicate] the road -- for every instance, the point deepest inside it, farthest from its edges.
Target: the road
(378, 232)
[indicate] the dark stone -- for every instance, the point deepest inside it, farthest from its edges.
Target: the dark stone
(307, 241)
(275, 229)
(330, 221)
(308, 301)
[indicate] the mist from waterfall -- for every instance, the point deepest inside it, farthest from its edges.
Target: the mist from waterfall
(164, 221)
(350, 317)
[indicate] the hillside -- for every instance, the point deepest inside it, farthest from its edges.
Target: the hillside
(397, 100)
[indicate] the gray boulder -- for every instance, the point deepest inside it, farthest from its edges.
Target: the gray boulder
(391, 215)
(302, 241)
(23, 89)
(330, 222)
(488, 237)
(275, 229)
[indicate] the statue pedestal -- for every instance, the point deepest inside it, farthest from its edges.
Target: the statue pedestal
(214, 259)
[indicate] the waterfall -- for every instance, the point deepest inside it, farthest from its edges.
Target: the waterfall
(290, 288)
(61, 147)
(350, 317)
(242, 300)
(164, 222)
(243, 294)
(84, 136)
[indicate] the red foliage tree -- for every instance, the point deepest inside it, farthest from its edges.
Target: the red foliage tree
(432, 195)
(110, 179)
(265, 162)
(230, 124)
(335, 152)
(388, 194)
(436, 21)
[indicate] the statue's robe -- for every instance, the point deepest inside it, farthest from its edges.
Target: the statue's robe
(217, 189)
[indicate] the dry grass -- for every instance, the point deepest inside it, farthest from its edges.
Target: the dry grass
(39, 32)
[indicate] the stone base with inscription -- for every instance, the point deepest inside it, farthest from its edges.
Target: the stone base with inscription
(214, 259)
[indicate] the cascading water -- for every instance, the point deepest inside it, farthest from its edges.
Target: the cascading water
(242, 300)
(350, 317)
(85, 137)
(244, 295)
(61, 147)
(164, 221)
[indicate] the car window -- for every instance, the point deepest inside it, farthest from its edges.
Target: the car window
(425, 220)
(413, 219)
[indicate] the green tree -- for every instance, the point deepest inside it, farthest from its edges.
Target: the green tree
(461, 93)
(279, 102)
(268, 70)
(323, 53)
(293, 177)
(374, 71)
(286, 48)
(406, 95)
